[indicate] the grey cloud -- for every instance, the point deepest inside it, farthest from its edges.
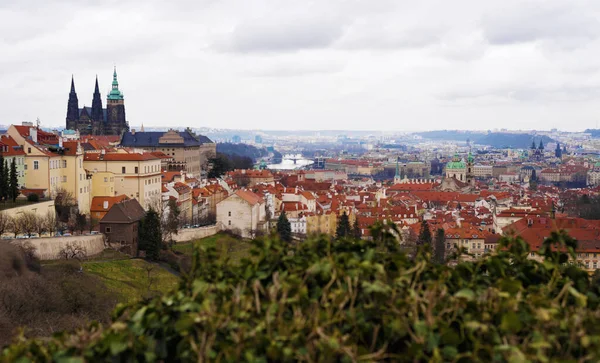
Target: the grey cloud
(283, 36)
(566, 93)
(294, 69)
(529, 22)
(379, 36)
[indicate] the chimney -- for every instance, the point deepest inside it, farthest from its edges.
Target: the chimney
(33, 133)
(133, 131)
(105, 204)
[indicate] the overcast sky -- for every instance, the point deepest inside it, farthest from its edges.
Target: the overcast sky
(325, 64)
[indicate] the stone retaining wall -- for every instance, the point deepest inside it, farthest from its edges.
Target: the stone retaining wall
(190, 234)
(49, 247)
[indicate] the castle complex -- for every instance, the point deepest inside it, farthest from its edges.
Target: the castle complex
(96, 120)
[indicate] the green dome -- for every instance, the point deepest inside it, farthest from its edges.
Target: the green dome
(597, 165)
(456, 163)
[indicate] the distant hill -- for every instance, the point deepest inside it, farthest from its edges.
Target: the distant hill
(594, 132)
(494, 139)
(241, 150)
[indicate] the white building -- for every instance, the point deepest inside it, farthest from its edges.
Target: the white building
(242, 212)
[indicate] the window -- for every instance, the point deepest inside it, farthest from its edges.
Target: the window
(230, 223)
(135, 170)
(64, 163)
(36, 165)
(80, 190)
(107, 230)
(25, 167)
(105, 180)
(123, 170)
(29, 150)
(230, 214)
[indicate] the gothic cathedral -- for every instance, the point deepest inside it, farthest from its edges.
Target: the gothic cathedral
(96, 120)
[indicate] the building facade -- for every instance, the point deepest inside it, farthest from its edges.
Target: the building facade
(188, 152)
(137, 175)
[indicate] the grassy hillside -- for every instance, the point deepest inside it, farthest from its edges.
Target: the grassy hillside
(225, 245)
(132, 280)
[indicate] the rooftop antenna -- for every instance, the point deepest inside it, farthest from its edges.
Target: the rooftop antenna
(37, 122)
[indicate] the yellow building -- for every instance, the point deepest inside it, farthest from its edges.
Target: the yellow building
(103, 184)
(51, 165)
(136, 175)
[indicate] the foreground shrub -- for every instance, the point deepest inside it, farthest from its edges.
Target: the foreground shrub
(346, 300)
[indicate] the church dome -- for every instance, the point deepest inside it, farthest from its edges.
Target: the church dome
(456, 163)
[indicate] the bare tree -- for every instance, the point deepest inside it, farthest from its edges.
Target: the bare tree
(72, 251)
(51, 222)
(15, 226)
(5, 223)
(64, 201)
(151, 279)
(40, 224)
(28, 222)
(80, 222)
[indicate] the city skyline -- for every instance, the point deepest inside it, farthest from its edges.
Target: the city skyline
(357, 65)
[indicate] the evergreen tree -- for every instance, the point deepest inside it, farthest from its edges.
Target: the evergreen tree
(424, 234)
(440, 246)
(150, 235)
(356, 229)
(172, 223)
(13, 187)
(343, 228)
(284, 228)
(3, 186)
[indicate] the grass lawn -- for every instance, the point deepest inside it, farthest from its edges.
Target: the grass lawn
(129, 278)
(234, 248)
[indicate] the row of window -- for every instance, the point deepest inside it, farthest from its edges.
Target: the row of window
(152, 181)
(54, 164)
(147, 169)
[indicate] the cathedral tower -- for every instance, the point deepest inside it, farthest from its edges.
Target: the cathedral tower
(470, 169)
(72, 107)
(116, 123)
(97, 114)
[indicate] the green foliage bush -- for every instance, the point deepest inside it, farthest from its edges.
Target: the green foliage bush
(352, 300)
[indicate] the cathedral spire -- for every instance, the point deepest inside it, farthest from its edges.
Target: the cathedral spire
(97, 89)
(72, 107)
(72, 85)
(115, 94)
(97, 113)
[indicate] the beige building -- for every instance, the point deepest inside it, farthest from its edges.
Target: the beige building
(51, 165)
(189, 152)
(103, 184)
(242, 212)
(483, 171)
(137, 175)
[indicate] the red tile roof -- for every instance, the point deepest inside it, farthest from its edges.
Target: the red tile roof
(98, 202)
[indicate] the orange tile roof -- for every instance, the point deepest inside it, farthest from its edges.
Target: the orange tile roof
(249, 197)
(98, 202)
(9, 147)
